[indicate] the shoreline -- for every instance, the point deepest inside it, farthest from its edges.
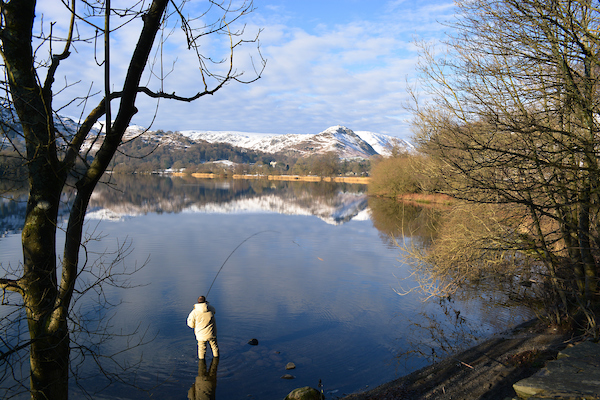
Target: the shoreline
(290, 178)
(485, 371)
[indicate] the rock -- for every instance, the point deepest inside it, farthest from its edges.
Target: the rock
(304, 393)
(253, 342)
(574, 374)
(287, 376)
(290, 365)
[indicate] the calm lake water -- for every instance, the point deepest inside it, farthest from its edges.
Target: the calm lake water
(314, 279)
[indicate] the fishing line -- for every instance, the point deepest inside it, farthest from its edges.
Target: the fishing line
(230, 254)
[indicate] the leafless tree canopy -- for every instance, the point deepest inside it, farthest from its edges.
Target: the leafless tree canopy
(37, 53)
(511, 118)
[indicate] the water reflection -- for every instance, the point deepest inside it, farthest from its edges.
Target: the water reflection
(124, 196)
(316, 294)
(334, 203)
(495, 301)
(397, 220)
(205, 384)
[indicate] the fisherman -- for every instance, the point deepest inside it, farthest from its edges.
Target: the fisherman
(202, 321)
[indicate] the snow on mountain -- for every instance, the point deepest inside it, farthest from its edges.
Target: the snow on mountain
(268, 143)
(339, 139)
(383, 144)
(344, 141)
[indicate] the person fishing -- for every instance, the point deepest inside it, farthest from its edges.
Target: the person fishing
(202, 317)
(202, 320)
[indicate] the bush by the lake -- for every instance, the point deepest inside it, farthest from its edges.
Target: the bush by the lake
(399, 174)
(510, 117)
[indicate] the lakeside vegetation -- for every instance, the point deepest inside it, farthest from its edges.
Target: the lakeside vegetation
(292, 178)
(477, 242)
(510, 131)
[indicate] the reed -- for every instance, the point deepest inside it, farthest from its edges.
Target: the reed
(299, 178)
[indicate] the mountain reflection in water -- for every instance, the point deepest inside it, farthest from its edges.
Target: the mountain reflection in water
(334, 203)
(319, 294)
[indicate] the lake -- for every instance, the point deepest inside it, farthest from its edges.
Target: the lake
(310, 270)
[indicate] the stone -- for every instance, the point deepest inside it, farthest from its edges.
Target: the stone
(304, 393)
(253, 342)
(574, 374)
(290, 365)
(287, 376)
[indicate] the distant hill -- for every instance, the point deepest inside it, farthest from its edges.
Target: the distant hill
(339, 139)
(345, 142)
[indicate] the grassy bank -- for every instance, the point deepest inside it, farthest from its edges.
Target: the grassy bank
(438, 199)
(300, 178)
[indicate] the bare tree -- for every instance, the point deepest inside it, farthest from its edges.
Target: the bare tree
(513, 120)
(54, 154)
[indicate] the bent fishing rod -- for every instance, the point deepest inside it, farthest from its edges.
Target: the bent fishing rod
(230, 254)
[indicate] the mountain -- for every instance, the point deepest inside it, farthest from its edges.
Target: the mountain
(383, 144)
(339, 139)
(345, 142)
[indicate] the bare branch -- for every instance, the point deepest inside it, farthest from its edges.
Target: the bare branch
(57, 58)
(11, 285)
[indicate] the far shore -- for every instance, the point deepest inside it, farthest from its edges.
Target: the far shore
(300, 178)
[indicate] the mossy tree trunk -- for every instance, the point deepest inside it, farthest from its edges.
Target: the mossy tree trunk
(51, 155)
(46, 298)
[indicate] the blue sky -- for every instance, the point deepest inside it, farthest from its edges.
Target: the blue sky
(329, 62)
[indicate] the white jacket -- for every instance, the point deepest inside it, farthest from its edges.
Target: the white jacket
(202, 321)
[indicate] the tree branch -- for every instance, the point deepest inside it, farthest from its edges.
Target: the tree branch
(57, 58)
(11, 285)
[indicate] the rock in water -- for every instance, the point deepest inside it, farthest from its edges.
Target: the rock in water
(305, 393)
(253, 342)
(290, 365)
(287, 376)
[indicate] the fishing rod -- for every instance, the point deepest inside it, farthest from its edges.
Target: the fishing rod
(230, 254)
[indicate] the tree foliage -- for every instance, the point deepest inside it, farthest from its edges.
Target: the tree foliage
(397, 174)
(33, 53)
(329, 164)
(148, 155)
(512, 120)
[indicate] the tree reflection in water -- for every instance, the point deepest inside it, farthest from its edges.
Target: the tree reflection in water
(143, 194)
(397, 220)
(472, 303)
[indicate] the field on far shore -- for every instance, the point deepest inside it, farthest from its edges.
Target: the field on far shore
(311, 178)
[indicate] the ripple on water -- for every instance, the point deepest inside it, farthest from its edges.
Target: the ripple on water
(235, 355)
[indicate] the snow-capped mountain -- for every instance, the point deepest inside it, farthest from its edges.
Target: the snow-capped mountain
(339, 139)
(383, 144)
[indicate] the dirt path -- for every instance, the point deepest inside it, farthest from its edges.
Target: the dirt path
(486, 371)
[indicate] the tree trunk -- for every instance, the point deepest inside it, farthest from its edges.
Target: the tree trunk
(589, 266)
(49, 354)
(49, 361)
(47, 300)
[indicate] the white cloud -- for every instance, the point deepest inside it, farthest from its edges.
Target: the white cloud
(350, 72)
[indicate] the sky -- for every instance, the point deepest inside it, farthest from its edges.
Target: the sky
(329, 62)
